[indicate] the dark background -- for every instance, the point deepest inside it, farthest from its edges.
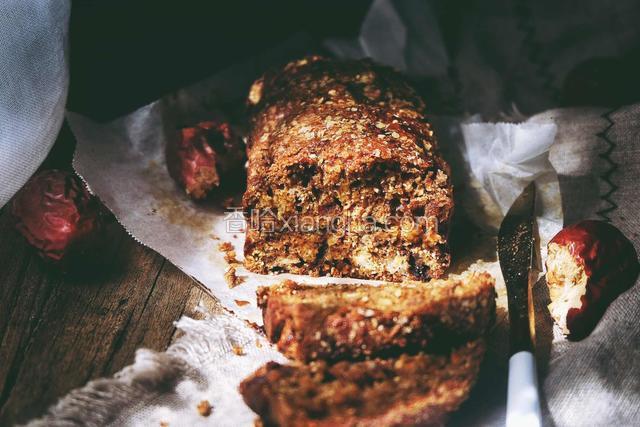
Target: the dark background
(124, 54)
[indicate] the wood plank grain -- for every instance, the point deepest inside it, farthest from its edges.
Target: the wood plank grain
(57, 331)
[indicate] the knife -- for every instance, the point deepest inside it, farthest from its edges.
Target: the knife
(517, 256)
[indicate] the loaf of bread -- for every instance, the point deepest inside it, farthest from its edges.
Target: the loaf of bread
(344, 175)
(338, 322)
(415, 389)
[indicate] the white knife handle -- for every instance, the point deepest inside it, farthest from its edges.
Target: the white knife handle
(523, 403)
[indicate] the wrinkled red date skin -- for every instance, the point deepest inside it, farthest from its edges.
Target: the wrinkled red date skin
(193, 158)
(611, 263)
(56, 213)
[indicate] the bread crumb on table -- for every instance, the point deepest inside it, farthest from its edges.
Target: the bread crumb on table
(229, 252)
(232, 278)
(204, 408)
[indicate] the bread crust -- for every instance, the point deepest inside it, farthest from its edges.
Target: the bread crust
(347, 140)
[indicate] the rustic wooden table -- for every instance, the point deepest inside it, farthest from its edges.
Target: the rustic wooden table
(59, 330)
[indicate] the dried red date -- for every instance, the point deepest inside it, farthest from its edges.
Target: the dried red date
(201, 154)
(192, 162)
(588, 265)
(56, 213)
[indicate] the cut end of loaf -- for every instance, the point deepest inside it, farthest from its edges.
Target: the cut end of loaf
(345, 178)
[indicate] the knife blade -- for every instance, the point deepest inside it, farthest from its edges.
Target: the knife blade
(516, 253)
(517, 257)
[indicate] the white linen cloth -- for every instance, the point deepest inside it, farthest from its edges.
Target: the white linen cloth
(34, 78)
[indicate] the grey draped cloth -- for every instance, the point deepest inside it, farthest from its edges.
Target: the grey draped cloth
(596, 381)
(503, 58)
(34, 77)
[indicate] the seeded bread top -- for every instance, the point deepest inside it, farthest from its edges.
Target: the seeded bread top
(337, 119)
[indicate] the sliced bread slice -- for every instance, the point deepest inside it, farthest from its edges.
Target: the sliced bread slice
(419, 389)
(340, 322)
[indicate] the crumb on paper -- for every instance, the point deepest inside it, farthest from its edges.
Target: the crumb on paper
(230, 257)
(241, 303)
(238, 350)
(255, 326)
(229, 252)
(204, 408)
(164, 424)
(213, 237)
(225, 247)
(232, 278)
(258, 343)
(258, 422)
